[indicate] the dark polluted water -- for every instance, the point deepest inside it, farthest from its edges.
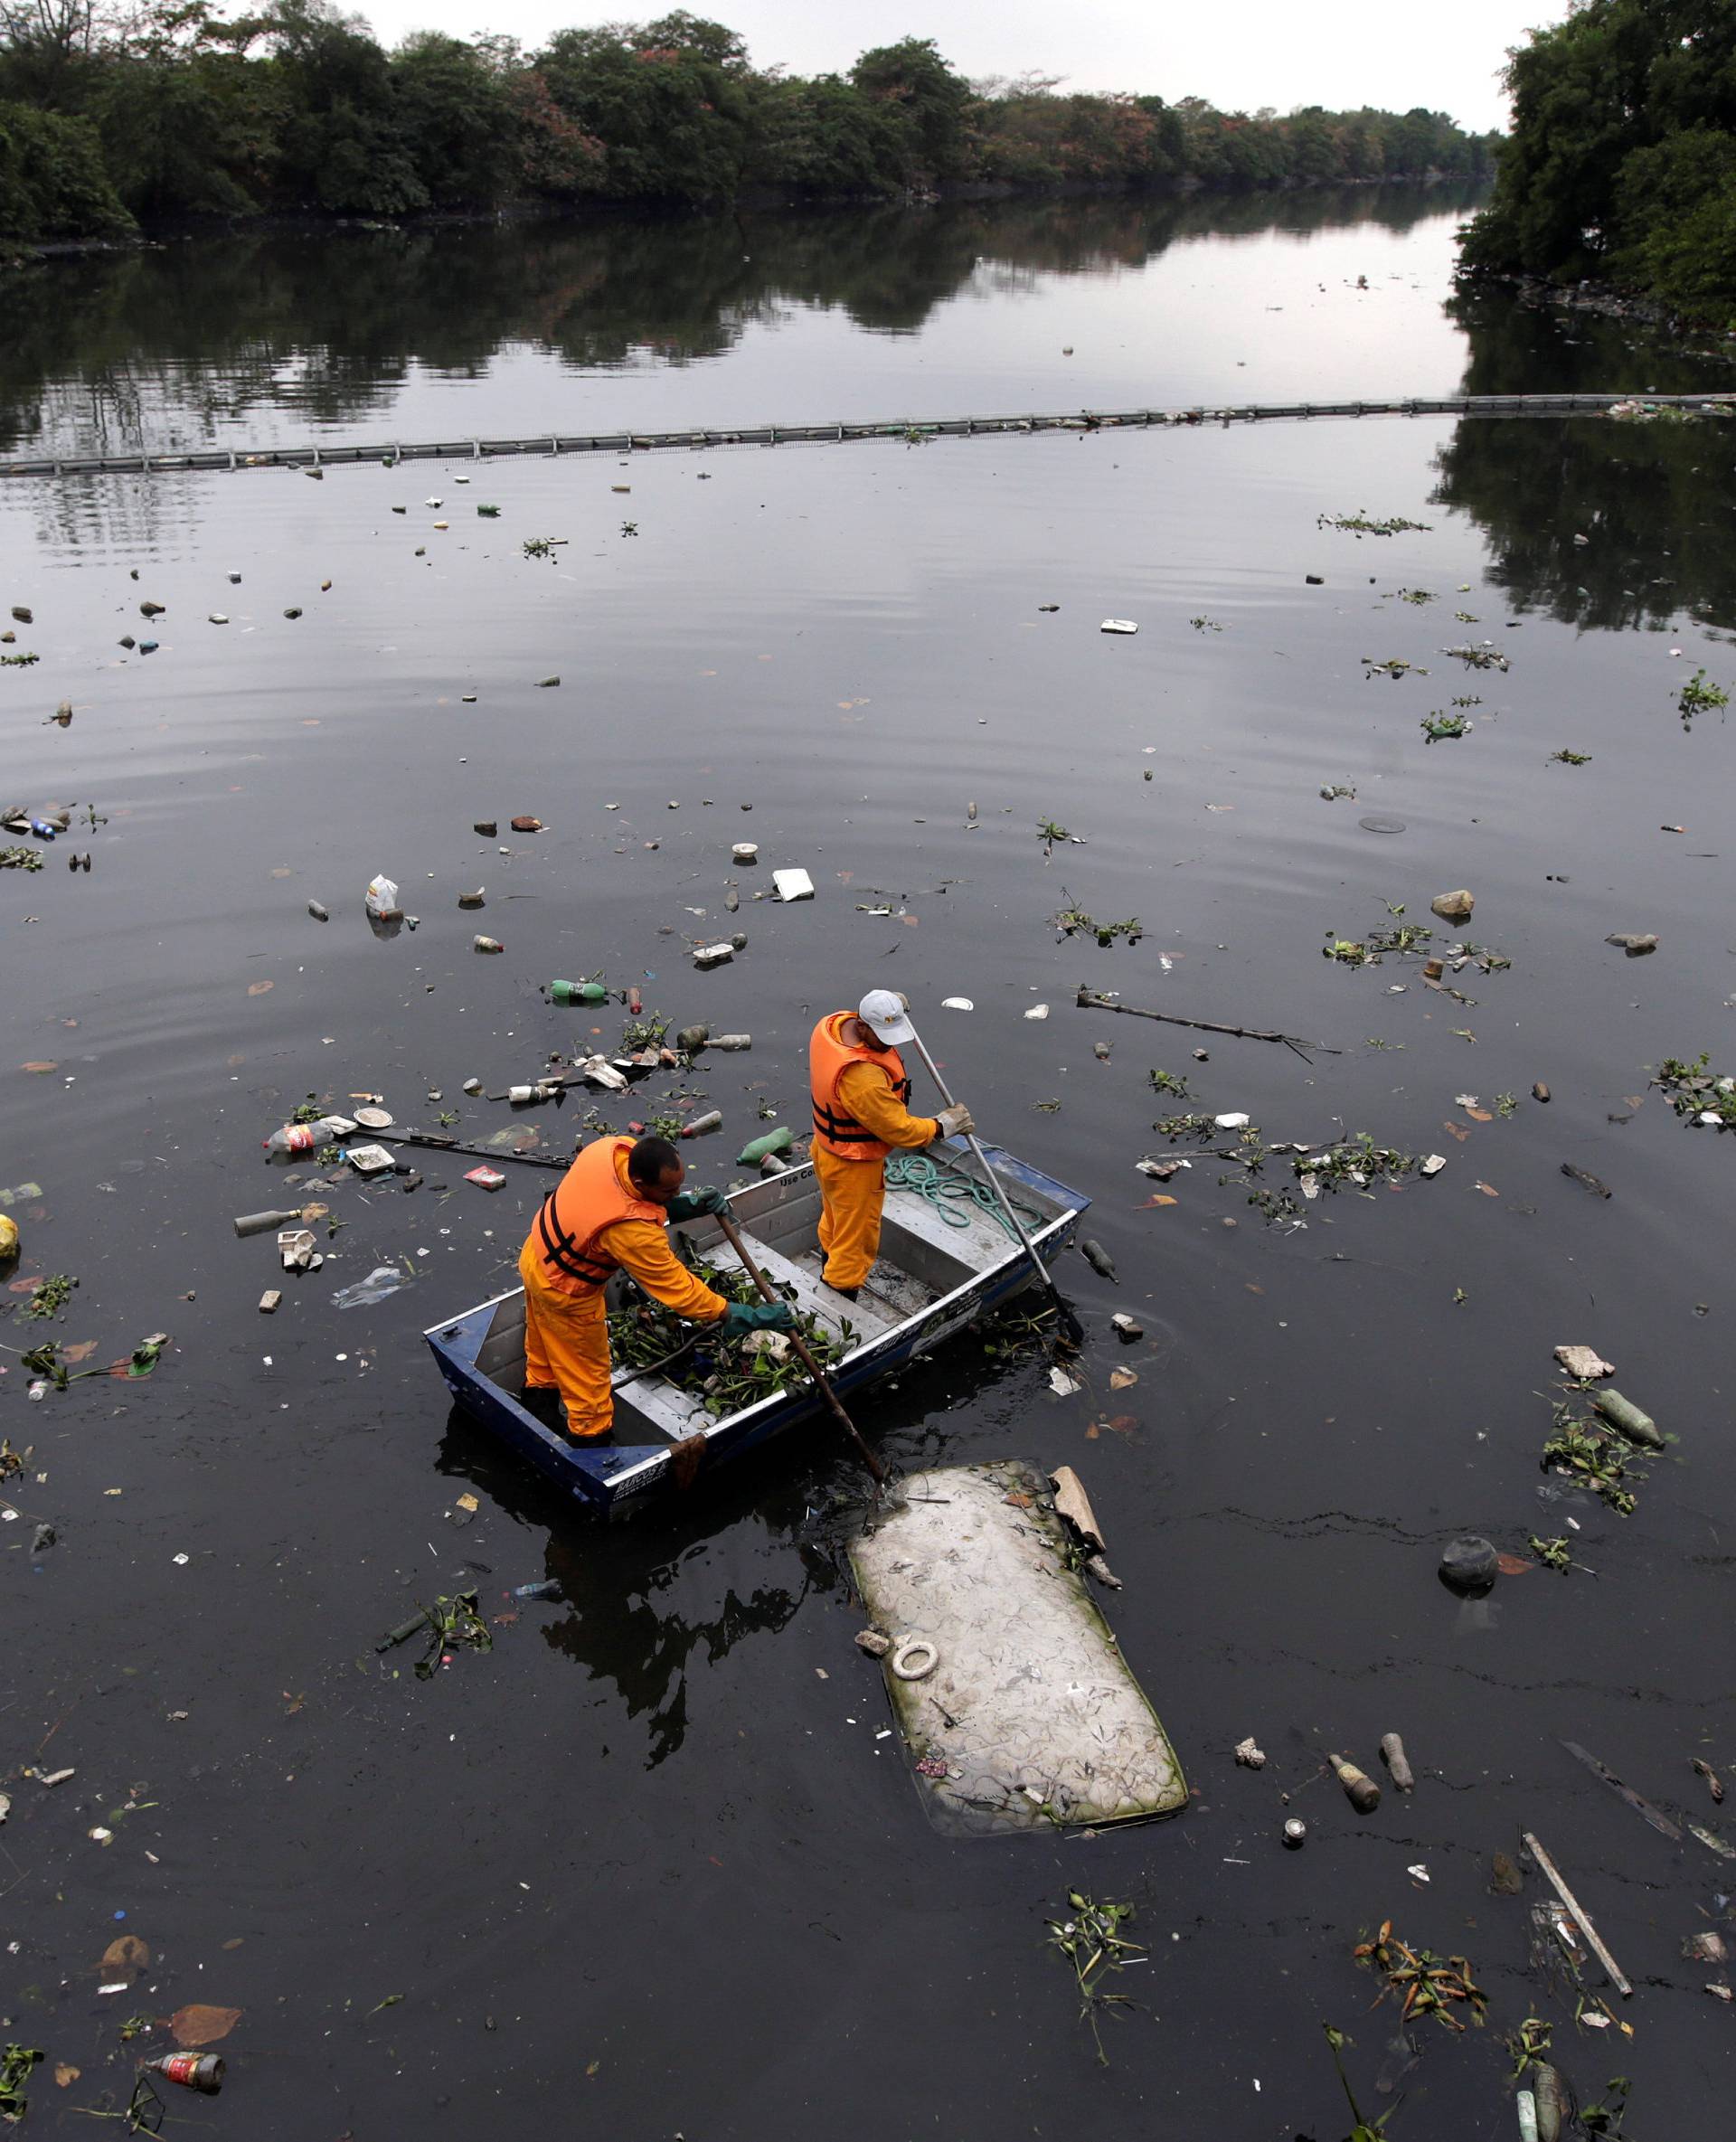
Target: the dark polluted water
(645, 1864)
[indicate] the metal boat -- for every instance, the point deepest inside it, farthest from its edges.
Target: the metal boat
(943, 1262)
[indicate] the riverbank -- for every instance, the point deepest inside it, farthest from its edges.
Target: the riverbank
(758, 201)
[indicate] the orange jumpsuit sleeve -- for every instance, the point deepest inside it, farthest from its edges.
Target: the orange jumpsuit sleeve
(642, 1248)
(867, 1094)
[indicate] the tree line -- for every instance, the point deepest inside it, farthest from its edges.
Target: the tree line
(1621, 163)
(167, 111)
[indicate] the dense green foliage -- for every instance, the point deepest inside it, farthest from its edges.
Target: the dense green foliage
(173, 110)
(1622, 159)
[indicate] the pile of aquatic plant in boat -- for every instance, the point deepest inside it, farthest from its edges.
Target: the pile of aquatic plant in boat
(726, 1375)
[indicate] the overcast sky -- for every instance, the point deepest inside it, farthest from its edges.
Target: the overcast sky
(1338, 53)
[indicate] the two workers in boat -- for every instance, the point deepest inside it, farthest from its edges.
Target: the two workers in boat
(611, 1211)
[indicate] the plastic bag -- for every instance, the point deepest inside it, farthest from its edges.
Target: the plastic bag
(382, 897)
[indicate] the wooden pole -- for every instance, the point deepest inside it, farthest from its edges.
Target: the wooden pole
(1578, 1911)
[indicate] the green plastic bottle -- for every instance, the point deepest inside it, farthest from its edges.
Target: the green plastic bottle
(774, 1141)
(578, 993)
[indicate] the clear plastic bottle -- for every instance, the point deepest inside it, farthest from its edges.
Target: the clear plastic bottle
(305, 1138)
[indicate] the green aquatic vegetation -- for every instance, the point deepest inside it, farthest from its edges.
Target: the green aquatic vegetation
(1595, 1457)
(1365, 2131)
(1478, 657)
(1555, 1555)
(644, 1034)
(726, 1375)
(1507, 1104)
(451, 1623)
(1074, 922)
(1467, 699)
(1696, 1090)
(1353, 1162)
(1332, 790)
(51, 1296)
(1093, 1944)
(1466, 618)
(1369, 951)
(538, 546)
(1050, 831)
(15, 2064)
(1417, 595)
(1427, 1984)
(1392, 667)
(1437, 727)
(1698, 697)
(1570, 758)
(1185, 1126)
(1204, 624)
(18, 661)
(1360, 525)
(487, 513)
(21, 859)
(1163, 1081)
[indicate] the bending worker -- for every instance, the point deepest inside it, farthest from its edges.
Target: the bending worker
(861, 1111)
(609, 1212)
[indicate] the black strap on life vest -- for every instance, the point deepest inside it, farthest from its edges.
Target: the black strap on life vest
(845, 1129)
(561, 1250)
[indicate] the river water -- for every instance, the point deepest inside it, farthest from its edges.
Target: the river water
(645, 1867)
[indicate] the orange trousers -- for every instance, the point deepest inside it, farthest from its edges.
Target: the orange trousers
(566, 1348)
(852, 1193)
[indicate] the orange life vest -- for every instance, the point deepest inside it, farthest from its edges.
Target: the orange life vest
(829, 1058)
(586, 1199)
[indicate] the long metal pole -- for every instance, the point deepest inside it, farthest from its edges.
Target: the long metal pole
(1074, 1329)
(801, 1349)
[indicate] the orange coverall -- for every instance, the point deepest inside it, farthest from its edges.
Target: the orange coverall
(853, 1192)
(566, 1334)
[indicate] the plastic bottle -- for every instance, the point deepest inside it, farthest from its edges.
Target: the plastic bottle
(304, 1137)
(202, 2071)
(774, 1141)
(709, 1120)
(578, 993)
(247, 1223)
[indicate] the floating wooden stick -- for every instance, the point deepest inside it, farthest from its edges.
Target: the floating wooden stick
(1088, 1000)
(1594, 1941)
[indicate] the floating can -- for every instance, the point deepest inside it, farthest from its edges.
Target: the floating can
(745, 851)
(194, 2071)
(1296, 1834)
(578, 993)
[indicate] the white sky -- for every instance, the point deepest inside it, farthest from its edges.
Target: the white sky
(1337, 53)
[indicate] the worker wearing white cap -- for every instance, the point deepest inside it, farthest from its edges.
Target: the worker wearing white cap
(861, 1093)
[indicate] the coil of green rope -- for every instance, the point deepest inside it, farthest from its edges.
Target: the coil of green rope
(954, 1195)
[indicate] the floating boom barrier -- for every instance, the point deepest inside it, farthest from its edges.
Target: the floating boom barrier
(316, 459)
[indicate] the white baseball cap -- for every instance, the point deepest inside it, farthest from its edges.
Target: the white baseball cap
(884, 1012)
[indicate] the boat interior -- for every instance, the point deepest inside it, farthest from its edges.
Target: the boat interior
(923, 1257)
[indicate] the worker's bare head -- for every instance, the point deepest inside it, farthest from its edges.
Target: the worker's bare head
(657, 1169)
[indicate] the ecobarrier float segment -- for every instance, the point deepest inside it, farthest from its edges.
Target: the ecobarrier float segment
(909, 429)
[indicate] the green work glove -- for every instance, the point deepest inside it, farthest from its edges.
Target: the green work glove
(740, 1317)
(688, 1205)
